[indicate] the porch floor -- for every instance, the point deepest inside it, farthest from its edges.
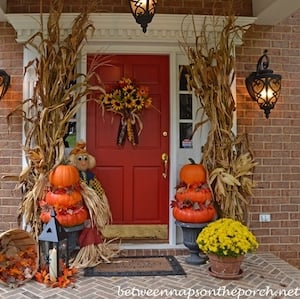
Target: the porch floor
(262, 272)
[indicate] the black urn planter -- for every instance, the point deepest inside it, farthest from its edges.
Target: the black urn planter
(190, 233)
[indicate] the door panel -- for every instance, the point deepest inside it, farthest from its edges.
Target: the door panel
(132, 175)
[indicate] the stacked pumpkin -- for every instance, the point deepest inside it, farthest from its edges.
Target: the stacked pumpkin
(64, 197)
(193, 199)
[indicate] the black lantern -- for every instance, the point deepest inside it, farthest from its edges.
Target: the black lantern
(4, 83)
(53, 248)
(263, 85)
(143, 11)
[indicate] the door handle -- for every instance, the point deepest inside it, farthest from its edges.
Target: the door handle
(165, 159)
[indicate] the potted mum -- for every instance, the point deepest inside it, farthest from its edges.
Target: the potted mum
(226, 241)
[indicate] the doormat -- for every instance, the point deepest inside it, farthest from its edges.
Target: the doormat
(138, 266)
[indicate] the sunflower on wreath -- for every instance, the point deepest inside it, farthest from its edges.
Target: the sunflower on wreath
(128, 101)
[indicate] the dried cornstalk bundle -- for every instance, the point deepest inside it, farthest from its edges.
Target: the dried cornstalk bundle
(99, 210)
(57, 96)
(95, 254)
(227, 157)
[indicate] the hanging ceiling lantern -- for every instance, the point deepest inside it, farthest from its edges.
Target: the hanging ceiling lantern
(263, 85)
(143, 11)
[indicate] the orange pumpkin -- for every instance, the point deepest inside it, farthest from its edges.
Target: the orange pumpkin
(192, 173)
(191, 215)
(64, 176)
(72, 217)
(62, 199)
(200, 195)
(45, 216)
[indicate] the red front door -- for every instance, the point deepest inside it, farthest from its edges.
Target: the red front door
(133, 176)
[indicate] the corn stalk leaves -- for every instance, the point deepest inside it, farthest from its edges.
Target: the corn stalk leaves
(227, 157)
(58, 94)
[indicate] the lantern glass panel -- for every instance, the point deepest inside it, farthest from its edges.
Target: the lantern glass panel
(44, 248)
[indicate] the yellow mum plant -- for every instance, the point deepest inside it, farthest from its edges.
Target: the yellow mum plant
(227, 237)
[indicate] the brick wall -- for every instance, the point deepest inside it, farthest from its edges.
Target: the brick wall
(11, 60)
(275, 141)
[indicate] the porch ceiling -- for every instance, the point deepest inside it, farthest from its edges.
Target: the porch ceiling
(267, 12)
(2, 10)
(271, 12)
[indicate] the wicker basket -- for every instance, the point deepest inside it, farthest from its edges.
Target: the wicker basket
(18, 240)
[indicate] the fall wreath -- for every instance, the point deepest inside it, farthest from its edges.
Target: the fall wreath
(128, 101)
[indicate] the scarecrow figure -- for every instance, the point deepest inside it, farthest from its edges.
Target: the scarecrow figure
(84, 162)
(93, 250)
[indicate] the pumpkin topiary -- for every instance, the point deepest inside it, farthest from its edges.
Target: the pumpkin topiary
(64, 176)
(192, 173)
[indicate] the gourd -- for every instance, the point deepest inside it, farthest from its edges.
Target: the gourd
(192, 173)
(190, 215)
(64, 176)
(63, 199)
(45, 216)
(67, 217)
(200, 195)
(72, 217)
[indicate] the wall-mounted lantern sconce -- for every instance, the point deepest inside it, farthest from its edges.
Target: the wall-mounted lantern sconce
(4, 83)
(143, 11)
(263, 85)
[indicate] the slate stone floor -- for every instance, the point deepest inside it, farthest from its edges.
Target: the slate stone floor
(264, 276)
